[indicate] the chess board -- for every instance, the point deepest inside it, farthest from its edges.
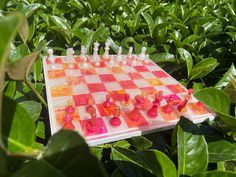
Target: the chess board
(70, 82)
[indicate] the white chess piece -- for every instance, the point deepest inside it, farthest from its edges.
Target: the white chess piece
(142, 55)
(134, 60)
(51, 58)
(119, 56)
(107, 48)
(111, 62)
(69, 57)
(95, 57)
(146, 60)
(130, 53)
(83, 57)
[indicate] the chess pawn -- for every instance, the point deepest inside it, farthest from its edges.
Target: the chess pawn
(153, 111)
(51, 58)
(70, 57)
(83, 57)
(126, 101)
(146, 60)
(142, 55)
(106, 53)
(187, 97)
(134, 115)
(115, 120)
(107, 103)
(119, 56)
(95, 57)
(130, 53)
(68, 122)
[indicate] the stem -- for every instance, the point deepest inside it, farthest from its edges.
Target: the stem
(31, 86)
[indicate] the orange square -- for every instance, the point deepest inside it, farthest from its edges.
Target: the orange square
(54, 74)
(61, 91)
(198, 108)
(154, 81)
(176, 88)
(60, 112)
(75, 80)
(135, 123)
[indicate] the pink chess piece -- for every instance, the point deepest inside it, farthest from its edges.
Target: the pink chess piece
(153, 111)
(135, 113)
(187, 97)
(70, 109)
(68, 122)
(126, 101)
(115, 121)
(107, 103)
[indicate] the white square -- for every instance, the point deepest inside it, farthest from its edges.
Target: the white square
(102, 70)
(83, 114)
(57, 82)
(164, 89)
(153, 67)
(73, 72)
(80, 89)
(92, 79)
(55, 67)
(99, 97)
(141, 83)
(147, 75)
(168, 80)
(122, 77)
(112, 86)
(61, 101)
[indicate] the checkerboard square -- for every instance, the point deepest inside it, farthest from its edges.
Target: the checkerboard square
(72, 73)
(154, 81)
(57, 82)
(141, 83)
(135, 76)
(96, 87)
(81, 99)
(118, 95)
(99, 97)
(90, 130)
(75, 80)
(54, 74)
(128, 84)
(92, 79)
(112, 86)
(79, 88)
(121, 77)
(176, 88)
(107, 78)
(160, 74)
(140, 68)
(147, 75)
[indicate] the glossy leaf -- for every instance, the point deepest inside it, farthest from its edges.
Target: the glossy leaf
(8, 27)
(192, 148)
(11, 89)
(221, 151)
(225, 80)
(87, 41)
(150, 22)
(122, 143)
(30, 9)
(203, 68)
(33, 108)
(219, 102)
(18, 128)
(140, 143)
(143, 162)
(68, 153)
(163, 57)
(216, 174)
(186, 56)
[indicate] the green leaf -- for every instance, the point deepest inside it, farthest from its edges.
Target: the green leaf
(23, 30)
(158, 163)
(18, 128)
(17, 52)
(150, 22)
(225, 80)
(140, 143)
(94, 4)
(216, 174)
(163, 57)
(38, 168)
(40, 130)
(97, 151)
(192, 148)
(122, 143)
(221, 151)
(30, 9)
(11, 89)
(33, 108)
(8, 27)
(219, 102)
(20, 69)
(143, 162)
(203, 68)
(87, 40)
(186, 56)
(67, 152)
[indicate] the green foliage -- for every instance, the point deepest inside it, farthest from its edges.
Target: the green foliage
(193, 40)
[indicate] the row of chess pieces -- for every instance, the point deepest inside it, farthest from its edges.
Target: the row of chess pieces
(96, 59)
(172, 102)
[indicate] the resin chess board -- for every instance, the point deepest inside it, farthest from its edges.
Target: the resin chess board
(69, 82)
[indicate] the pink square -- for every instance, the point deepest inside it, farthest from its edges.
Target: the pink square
(134, 76)
(160, 74)
(107, 78)
(140, 68)
(176, 88)
(96, 87)
(81, 99)
(89, 129)
(127, 84)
